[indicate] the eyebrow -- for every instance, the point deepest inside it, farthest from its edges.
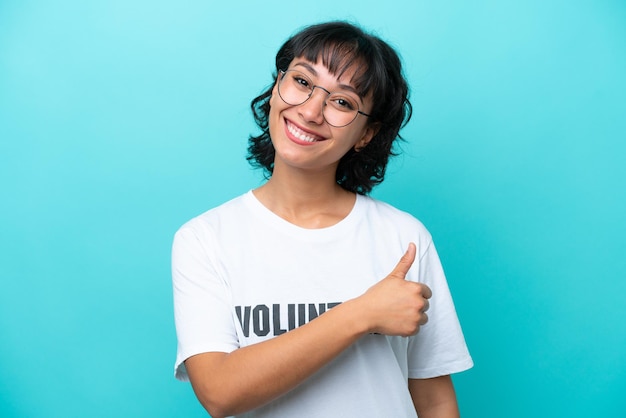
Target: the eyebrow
(348, 87)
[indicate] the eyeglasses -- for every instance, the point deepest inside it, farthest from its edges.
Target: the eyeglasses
(340, 108)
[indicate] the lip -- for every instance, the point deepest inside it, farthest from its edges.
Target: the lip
(301, 136)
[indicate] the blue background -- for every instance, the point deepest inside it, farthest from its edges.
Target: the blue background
(120, 120)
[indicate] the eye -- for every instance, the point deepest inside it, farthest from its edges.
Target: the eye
(301, 82)
(343, 103)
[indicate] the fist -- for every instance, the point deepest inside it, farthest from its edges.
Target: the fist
(394, 305)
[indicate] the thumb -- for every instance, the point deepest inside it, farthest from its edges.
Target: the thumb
(405, 263)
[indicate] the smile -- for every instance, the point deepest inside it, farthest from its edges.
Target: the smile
(302, 135)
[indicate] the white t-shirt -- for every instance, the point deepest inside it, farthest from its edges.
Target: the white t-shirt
(242, 275)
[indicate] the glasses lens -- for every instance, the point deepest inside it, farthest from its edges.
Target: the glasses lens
(340, 108)
(295, 88)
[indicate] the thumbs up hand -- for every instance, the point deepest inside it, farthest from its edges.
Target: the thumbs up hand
(394, 305)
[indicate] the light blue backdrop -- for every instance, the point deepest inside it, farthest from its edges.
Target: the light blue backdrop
(120, 120)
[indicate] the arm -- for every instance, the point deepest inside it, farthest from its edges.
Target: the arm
(228, 384)
(434, 398)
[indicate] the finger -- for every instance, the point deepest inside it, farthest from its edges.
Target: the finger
(405, 263)
(426, 292)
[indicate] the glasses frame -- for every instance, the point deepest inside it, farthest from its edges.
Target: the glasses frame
(328, 93)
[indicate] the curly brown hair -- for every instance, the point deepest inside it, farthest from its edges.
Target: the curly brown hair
(342, 45)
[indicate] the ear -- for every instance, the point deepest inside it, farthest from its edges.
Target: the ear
(274, 91)
(370, 132)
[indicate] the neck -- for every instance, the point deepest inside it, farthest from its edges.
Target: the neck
(309, 200)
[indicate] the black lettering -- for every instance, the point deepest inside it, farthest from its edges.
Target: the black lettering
(291, 316)
(245, 321)
(261, 320)
(259, 316)
(276, 318)
(313, 313)
(301, 314)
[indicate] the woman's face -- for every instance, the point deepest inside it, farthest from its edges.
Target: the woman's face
(300, 134)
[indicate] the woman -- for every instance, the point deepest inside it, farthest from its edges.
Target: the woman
(304, 297)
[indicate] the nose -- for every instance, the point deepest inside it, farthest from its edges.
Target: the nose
(313, 109)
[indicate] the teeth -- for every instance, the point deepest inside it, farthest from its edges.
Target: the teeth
(300, 134)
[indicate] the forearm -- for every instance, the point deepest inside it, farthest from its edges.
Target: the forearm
(448, 409)
(434, 398)
(227, 384)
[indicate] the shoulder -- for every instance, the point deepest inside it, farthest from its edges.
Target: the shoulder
(397, 219)
(223, 212)
(396, 225)
(211, 222)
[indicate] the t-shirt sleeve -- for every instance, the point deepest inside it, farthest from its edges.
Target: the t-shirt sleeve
(202, 308)
(439, 347)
